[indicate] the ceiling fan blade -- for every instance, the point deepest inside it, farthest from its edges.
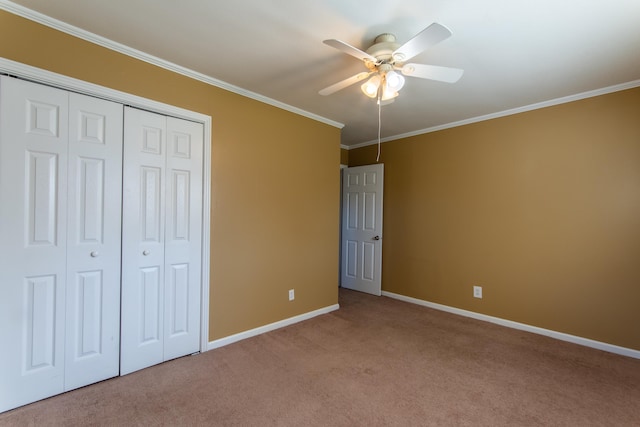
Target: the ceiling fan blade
(350, 50)
(344, 83)
(433, 72)
(428, 37)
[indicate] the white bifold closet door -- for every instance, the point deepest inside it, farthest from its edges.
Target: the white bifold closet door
(162, 227)
(60, 222)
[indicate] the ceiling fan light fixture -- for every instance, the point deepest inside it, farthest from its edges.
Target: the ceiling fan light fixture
(385, 60)
(394, 80)
(388, 93)
(370, 87)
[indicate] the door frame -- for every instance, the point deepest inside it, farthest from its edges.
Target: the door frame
(342, 168)
(39, 75)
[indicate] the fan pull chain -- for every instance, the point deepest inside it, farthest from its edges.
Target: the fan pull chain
(379, 123)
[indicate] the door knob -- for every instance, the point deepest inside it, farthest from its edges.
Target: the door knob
(146, 252)
(93, 254)
(376, 237)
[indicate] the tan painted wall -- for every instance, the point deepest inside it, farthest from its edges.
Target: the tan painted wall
(542, 209)
(344, 156)
(275, 180)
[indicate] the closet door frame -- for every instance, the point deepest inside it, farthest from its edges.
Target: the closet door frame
(68, 83)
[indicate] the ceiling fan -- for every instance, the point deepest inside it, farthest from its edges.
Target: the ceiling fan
(386, 57)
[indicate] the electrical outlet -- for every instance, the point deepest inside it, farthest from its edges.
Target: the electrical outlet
(292, 295)
(477, 291)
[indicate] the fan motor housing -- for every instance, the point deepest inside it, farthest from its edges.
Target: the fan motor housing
(383, 47)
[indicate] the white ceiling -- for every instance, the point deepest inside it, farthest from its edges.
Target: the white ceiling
(514, 53)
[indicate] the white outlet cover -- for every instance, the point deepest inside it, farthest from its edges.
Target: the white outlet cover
(292, 295)
(477, 291)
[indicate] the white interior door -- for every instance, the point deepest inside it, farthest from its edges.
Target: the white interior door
(143, 219)
(362, 189)
(60, 237)
(60, 192)
(183, 238)
(162, 239)
(93, 241)
(33, 182)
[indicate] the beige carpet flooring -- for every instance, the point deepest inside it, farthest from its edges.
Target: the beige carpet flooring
(375, 362)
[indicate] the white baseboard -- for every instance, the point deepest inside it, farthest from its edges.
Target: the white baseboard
(270, 327)
(521, 326)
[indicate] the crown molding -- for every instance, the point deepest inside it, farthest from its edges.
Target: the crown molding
(512, 111)
(142, 56)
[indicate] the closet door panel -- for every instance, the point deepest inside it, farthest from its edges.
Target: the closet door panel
(183, 237)
(93, 241)
(33, 215)
(143, 232)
